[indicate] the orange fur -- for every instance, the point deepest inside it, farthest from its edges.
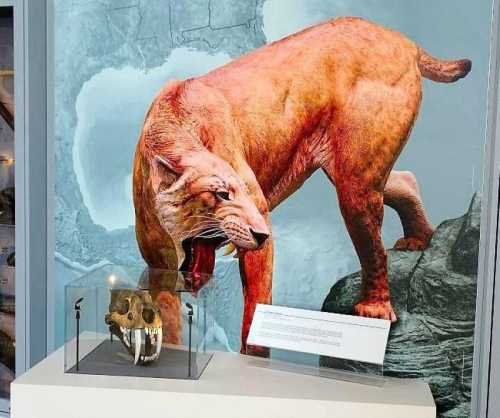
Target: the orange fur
(341, 96)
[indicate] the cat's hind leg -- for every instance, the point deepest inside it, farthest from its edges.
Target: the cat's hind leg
(402, 194)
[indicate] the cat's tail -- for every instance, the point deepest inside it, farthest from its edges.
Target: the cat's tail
(440, 70)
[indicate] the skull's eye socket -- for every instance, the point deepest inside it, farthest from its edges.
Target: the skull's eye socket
(148, 315)
(123, 306)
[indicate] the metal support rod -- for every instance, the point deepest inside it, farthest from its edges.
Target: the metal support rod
(77, 316)
(190, 322)
(204, 324)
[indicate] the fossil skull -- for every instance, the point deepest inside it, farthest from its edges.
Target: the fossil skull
(136, 321)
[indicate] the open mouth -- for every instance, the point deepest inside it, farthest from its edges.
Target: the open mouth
(200, 254)
(144, 344)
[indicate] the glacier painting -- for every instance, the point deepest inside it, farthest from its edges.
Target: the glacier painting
(109, 124)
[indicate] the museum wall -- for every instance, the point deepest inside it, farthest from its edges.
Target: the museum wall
(113, 56)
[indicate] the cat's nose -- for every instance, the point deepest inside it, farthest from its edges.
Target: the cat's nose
(260, 237)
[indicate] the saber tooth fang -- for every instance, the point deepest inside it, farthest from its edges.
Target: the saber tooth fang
(137, 341)
(159, 339)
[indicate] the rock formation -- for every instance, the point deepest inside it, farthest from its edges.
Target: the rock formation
(434, 294)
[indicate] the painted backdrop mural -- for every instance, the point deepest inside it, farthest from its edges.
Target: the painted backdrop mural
(127, 50)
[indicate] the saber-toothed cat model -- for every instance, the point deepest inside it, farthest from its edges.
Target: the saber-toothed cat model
(217, 153)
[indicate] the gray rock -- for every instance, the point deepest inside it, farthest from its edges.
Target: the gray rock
(461, 411)
(433, 293)
(464, 255)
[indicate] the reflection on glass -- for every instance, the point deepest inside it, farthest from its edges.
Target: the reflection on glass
(7, 220)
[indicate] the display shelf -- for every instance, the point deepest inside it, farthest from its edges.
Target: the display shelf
(231, 387)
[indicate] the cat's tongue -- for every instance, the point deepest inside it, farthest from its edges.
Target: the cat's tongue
(203, 259)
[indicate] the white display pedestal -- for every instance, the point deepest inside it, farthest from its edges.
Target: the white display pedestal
(230, 387)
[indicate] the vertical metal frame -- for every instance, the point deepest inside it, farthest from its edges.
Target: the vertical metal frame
(50, 171)
(30, 42)
(488, 388)
(493, 406)
(484, 403)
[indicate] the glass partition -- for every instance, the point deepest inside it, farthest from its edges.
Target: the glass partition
(112, 60)
(131, 321)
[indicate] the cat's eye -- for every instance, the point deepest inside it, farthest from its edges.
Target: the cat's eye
(222, 195)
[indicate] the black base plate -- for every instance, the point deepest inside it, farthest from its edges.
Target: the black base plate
(110, 358)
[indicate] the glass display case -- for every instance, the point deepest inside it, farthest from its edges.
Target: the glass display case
(136, 321)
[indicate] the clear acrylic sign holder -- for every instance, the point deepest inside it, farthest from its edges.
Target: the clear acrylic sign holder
(313, 365)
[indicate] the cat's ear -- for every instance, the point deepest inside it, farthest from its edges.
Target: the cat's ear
(165, 164)
(168, 175)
